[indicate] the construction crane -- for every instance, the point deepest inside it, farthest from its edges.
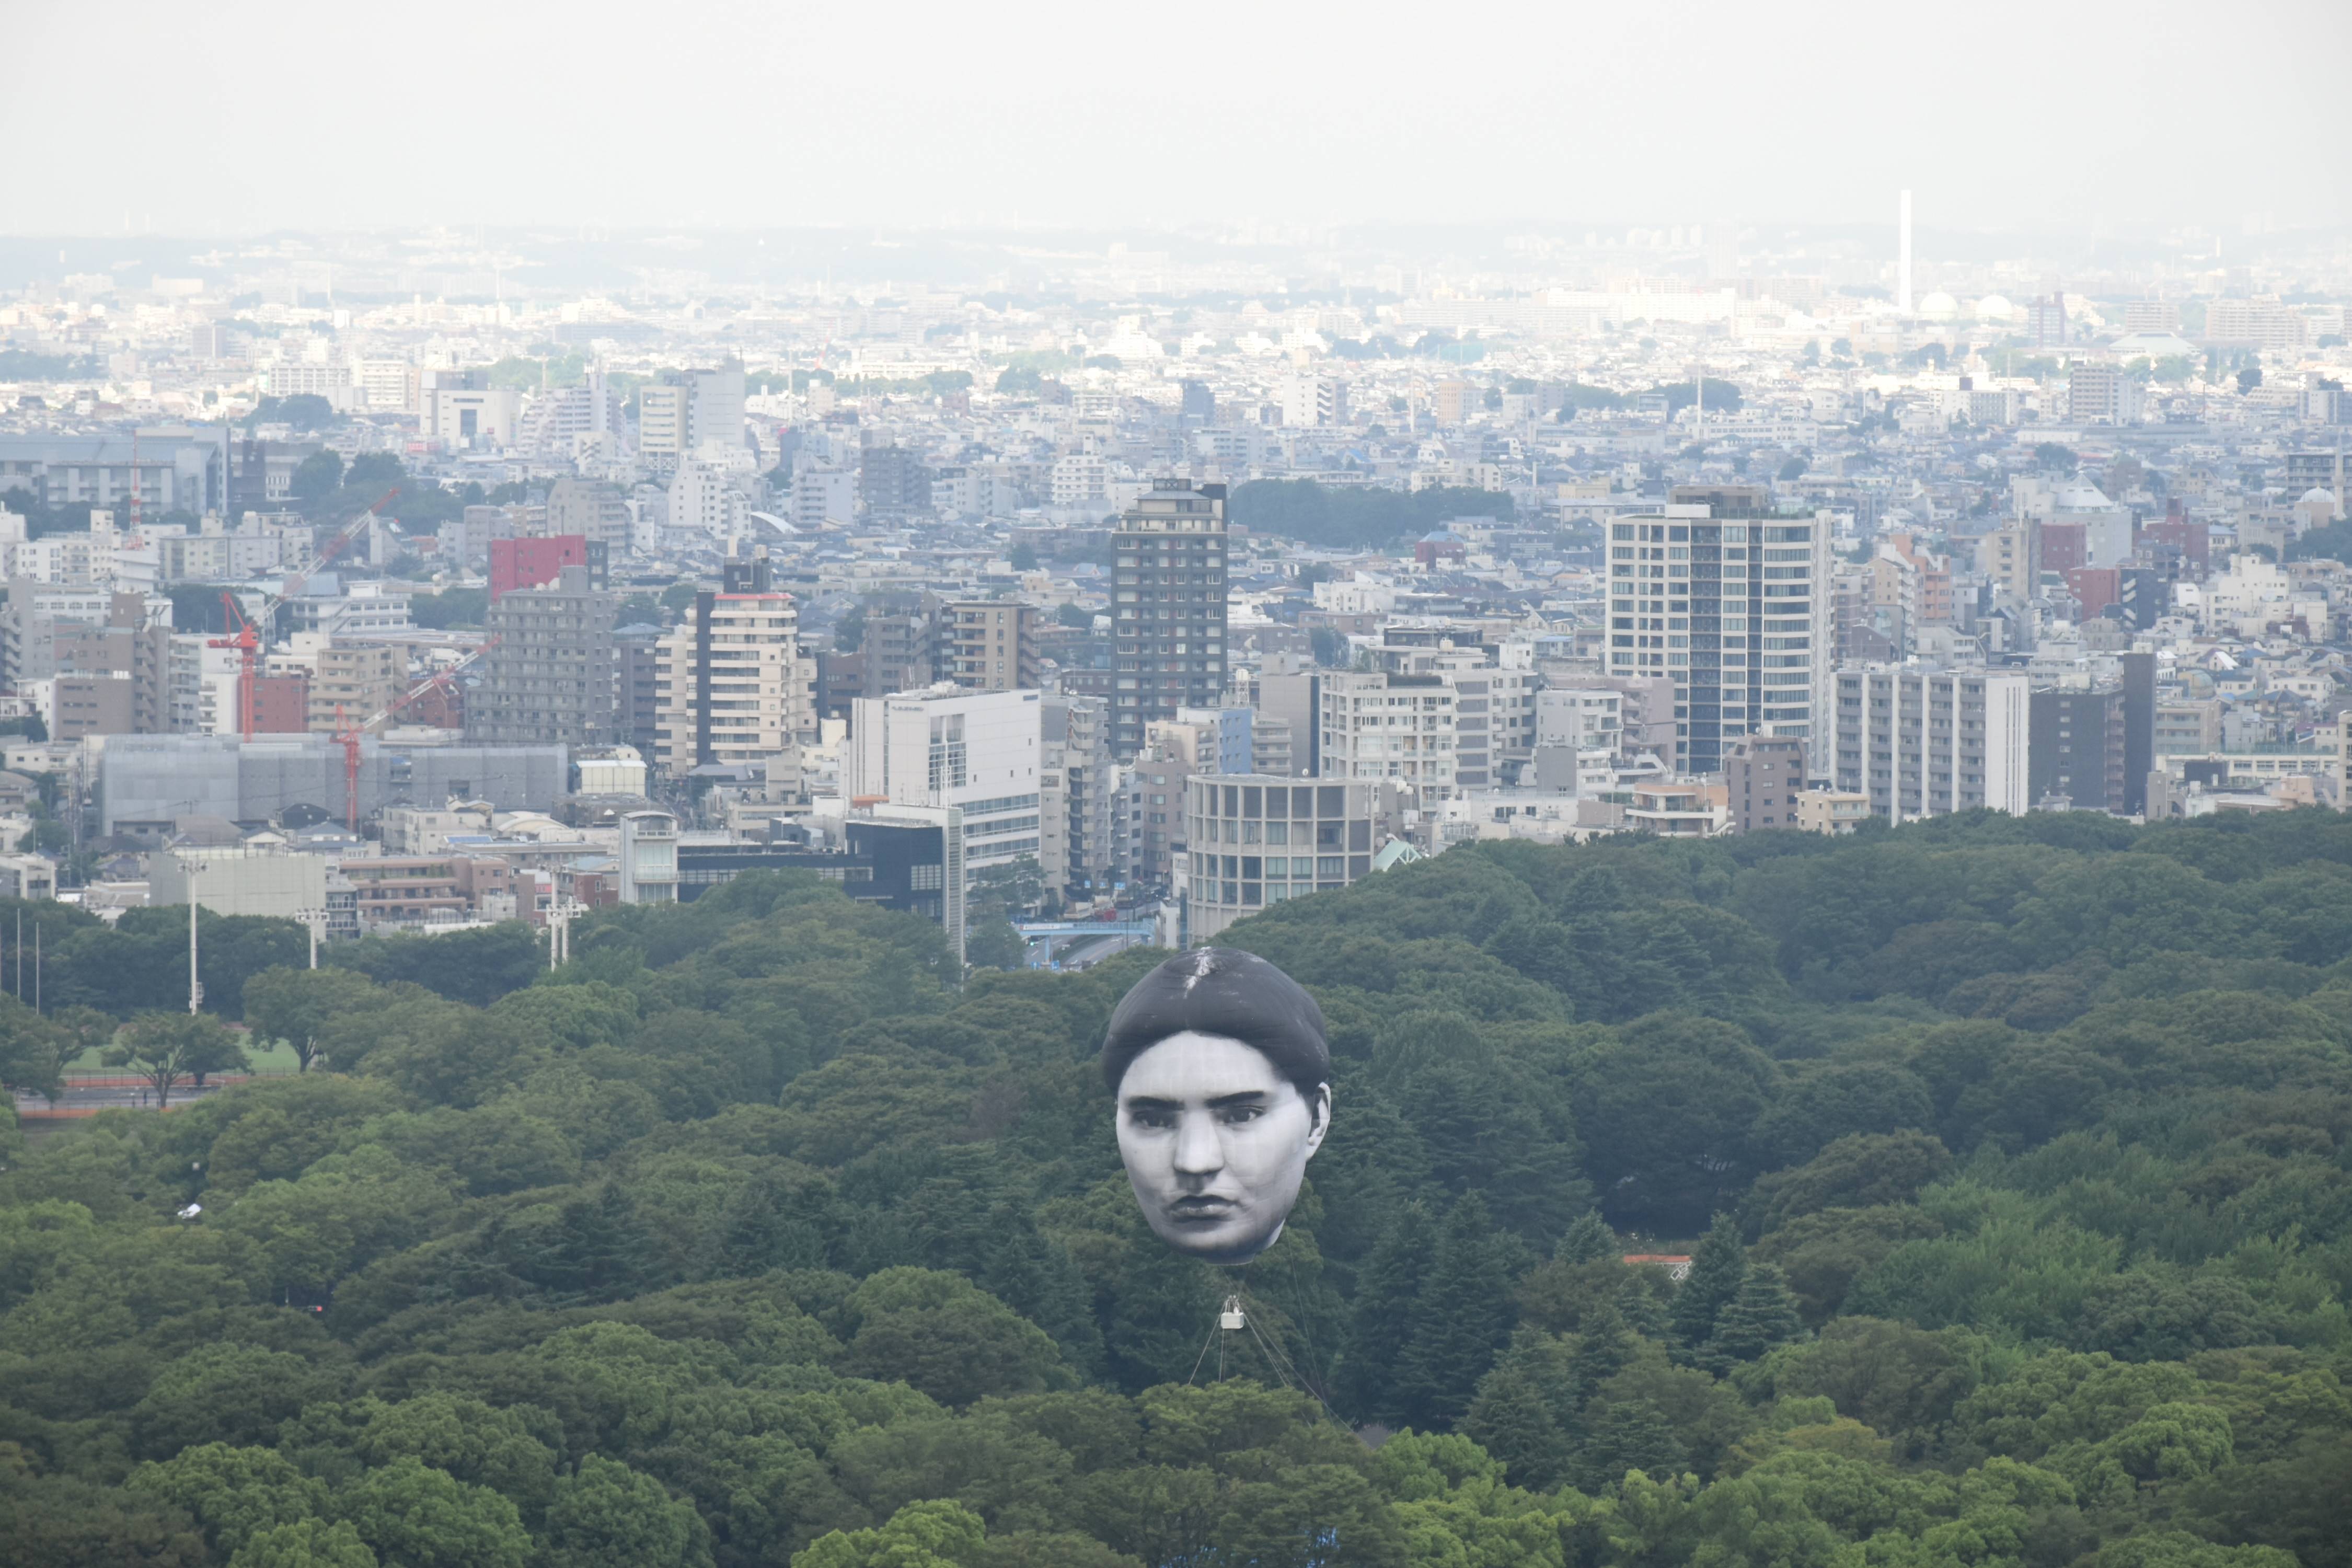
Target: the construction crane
(347, 734)
(247, 638)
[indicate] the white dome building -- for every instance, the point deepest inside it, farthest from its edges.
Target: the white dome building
(1939, 307)
(1995, 308)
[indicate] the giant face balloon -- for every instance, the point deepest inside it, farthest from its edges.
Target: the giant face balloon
(1219, 1065)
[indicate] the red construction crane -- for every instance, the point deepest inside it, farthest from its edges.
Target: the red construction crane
(246, 637)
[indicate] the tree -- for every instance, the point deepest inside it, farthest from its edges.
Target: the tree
(317, 477)
(369, 469)
(934, 1534)
(1716, 1273)
(33, 1052)
(298, 1004)
(412, 1516)
(607, 1515)
(2250, 378)
(1761, 1316)
(306, 1543)
(1589, 1240)
(168, 1048)
(994, 944)
(1381, 1326)
(235, 1494)
(949, 1339)
(1462, 1319)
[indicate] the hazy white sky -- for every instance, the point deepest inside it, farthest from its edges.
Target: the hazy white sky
(2061, 115)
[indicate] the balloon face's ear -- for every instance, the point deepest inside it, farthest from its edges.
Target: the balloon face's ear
(1319, 1106)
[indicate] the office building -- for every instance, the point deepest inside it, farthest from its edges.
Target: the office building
(461, 409)
(988, 645)
(175, 467)
(1254, 841)
(1731, 603)
(548, 676)
(1169, 607)
(598, 512)
(731, 681)
(980, 753)
(1924, 743)
(1763, 776)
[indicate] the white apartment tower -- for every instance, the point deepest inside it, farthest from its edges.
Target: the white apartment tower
(1731, 602)
(1926, 743)
(1384, 726)
(731, 684)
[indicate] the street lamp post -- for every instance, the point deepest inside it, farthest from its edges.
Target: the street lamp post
(315, 920)
(195, 986)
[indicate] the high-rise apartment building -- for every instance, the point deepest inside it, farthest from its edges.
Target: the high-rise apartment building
(2095, 748)
(981, 753)
(1312, 400)
(352, 682)
(731, 682)
(112, 677)
(1167, 606)
(1078, 787)
(1763, 776)
(598, 512)
(988, 645)
(892, 481)
(1731, 602)
(684, 410)
(1924, 743)
(2101, 394)
(1385, 726)
(548, 676)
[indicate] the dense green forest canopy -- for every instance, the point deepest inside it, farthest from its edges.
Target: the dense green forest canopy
(1356, 519)
(2012, 1153)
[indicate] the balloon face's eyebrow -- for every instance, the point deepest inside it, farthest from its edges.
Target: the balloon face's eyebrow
(1235, 1101)
(1153, 1102)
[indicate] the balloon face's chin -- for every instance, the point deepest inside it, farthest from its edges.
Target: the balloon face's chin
(1226, 1236)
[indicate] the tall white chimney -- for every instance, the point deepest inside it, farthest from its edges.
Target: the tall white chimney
(1903, 260)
